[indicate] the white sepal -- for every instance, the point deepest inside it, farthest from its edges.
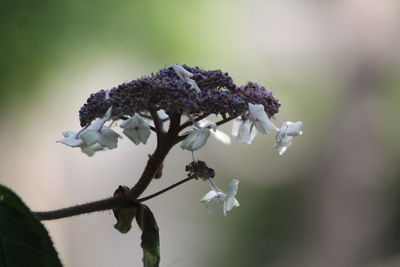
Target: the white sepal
(198, 137)
(71, 139)
(219, 135)
(260, 119)
(186, 76)
(136, 129)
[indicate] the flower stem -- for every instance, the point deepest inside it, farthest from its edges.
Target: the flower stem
(165, 189)
(100, 205)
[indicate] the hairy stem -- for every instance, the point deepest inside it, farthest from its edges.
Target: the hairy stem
(100, 205)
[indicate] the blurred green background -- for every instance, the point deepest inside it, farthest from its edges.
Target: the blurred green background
(332, 200)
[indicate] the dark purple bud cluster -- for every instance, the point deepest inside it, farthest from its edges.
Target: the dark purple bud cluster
(165, 90)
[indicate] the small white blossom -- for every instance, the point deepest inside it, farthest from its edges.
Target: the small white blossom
(244, 131)
(98, 133)
(198, 137)
(260, 119)
(285, 135)
(94, 138)
(136, 129)
(186, 76)
(216, 200)
(104, 136)
(219, 135)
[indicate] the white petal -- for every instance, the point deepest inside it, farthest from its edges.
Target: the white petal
(208, 196)
(284, 144)
(90, 150)
(136, 129)
(221, 136)
(230, 196)
(246, 132)
(294, 128)
(260, 119)
(213, 201)
(193, 85)
(70, 139)
(108, 138)
(182, 72)
(235, 126)
(90, 137)
(233, 188)
(196, 139)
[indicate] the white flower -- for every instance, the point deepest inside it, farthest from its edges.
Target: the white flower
(98, 133)
(104, 136)
(185, 76)
(136, 129)
(94, 138)
(285, 135)
(198, 137)
(260, 119)
(243, 130)
(216, 200)
(72, 140)
(219, 135)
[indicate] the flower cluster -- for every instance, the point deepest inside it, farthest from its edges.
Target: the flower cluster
(179, 89)
(145, 103)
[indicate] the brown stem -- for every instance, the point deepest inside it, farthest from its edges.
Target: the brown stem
(192, 121)
(100, 205)
(164, 145)
(166, 189)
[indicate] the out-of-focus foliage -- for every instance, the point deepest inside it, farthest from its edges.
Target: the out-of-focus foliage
(24, 240)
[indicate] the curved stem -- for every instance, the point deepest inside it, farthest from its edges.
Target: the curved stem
(192, 121)
(100, 205)
(156, 160)
(165, 189)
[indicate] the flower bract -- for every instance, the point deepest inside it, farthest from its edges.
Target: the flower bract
(198, 137)
(260, 119)
(136, 129)
(216, 200)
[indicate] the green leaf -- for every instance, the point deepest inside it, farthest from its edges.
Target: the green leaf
(150, 236)
(24, 242)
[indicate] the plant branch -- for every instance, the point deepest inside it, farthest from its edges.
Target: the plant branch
(158, 124)
(100, 205)
(182, 137)
(191, 122)
(218, 123)
(166, 189)
(157, 158)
